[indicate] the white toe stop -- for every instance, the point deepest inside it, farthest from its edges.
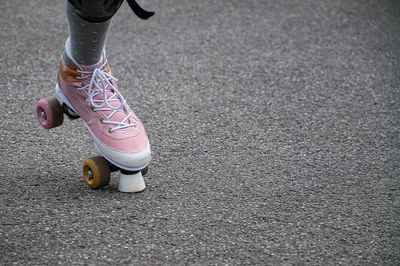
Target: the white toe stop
(131, 183)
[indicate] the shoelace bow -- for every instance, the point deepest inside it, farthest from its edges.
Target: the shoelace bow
(101, 83)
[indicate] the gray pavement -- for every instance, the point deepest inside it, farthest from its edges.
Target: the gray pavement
(274, 128)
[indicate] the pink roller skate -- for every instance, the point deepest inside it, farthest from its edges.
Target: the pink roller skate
(90, 92)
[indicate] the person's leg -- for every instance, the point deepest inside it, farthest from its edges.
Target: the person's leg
(86, 39)
(89, 22)
(87, 87)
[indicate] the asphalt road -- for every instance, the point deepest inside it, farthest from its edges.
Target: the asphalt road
(274, 126)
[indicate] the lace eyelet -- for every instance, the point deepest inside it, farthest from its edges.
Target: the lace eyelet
(101, 121)
(109, 131)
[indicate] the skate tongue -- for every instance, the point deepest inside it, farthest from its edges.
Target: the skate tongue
(113, 101)
(106, 84)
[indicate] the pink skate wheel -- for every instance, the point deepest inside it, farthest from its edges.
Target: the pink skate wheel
(49, 112)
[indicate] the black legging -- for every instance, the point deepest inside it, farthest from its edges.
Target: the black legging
(102, 10)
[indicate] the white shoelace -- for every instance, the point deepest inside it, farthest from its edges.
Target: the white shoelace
(101, 83)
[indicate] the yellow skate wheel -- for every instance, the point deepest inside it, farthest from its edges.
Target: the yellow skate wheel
(144, 170)
(96, 172)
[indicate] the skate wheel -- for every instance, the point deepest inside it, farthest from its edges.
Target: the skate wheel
(49, 112)
(96, 172)
(145, 170)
